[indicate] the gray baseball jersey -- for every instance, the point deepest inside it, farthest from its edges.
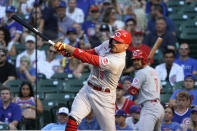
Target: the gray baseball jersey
(149, 85)
(148, 82)
(106, 75)
(110, 67)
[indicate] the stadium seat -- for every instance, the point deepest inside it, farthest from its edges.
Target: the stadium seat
(167, 88)
(62, 76)
(19, 48)
(59, 96)
(47, 85)
(14, 83)
(45, 118)
(175, 5)
(178, 85)
(190, 11)
(4, 126)
(165, 98)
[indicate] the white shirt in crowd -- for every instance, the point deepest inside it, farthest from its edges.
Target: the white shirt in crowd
(41, 57)
(176, 73)
(48, 68)
(77, 15)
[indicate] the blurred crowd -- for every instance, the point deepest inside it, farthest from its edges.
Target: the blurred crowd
(86, 24)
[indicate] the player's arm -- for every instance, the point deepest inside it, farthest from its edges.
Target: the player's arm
(80, 54)
(133, 91)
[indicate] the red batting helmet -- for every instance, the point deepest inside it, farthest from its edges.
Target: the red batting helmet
(139, 54)
(122, 36)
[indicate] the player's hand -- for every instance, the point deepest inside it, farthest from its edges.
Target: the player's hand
(60, 46)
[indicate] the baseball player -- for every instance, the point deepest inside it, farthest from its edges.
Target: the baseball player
(146, 85)
(99, 94)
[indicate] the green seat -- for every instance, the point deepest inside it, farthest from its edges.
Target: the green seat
(4, 126)
(62, 76)
(45, 118)
(178, 85)
(165, 98)
(73, 85)
(47, 85)
(59, 96)
(167, 88)
(190, 11)
(19, 48)
(14, 84)
(188, 25)
(175, 5)
(189, 34)
(158, 58)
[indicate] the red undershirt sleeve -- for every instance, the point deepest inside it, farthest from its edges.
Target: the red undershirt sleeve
(92, 51)
(86, 57)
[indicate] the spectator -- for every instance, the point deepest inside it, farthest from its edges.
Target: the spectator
(133, 121)
(169, 40)
(10, 113)
(101, 35)
(14, 28)
(89, 123)
(120, 120)
(53, 64)
(170, 71)
(63, 20)
(189, 83)
(50, 20)
(157, 11)
(189, 64)
(130, 25)
(25, 7)
(75, 13)
(167, 123)
(110, 18)
(89, 26)
(30, 51)
(182, 111)
(36, 18)
(193, 120)
(62, 117)
(25, 70)
(85, 6)
(126, 83)
(155, 2)
(122, 102)
(7, 70)
(71, 38)
(5, 41)
(27, 103)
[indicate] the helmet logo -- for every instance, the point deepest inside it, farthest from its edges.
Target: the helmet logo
(117, 34)
(135, 53)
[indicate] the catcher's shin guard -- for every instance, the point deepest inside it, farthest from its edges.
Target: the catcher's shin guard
(71, 125)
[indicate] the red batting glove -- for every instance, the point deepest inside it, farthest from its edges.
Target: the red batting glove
(60, 47)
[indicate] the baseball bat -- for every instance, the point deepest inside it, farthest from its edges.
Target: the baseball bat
(33, 29)
(155, 47)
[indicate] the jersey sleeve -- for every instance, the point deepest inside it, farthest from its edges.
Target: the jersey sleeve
(138, 79)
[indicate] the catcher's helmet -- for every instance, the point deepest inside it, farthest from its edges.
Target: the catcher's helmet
(139, 54)
(122, 36)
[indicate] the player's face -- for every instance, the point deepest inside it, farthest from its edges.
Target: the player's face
(189, 83)
(137, 63)
(168, 114)
(62, 118)
(117, 47)
(5, 95)
(194, 116)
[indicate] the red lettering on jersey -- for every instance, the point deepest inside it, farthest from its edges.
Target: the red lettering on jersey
(105, 61)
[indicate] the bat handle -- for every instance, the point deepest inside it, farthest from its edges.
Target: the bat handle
(51, 42)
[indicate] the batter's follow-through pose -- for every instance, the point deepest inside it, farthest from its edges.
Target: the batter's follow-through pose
(146, 84)
(99, 94)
